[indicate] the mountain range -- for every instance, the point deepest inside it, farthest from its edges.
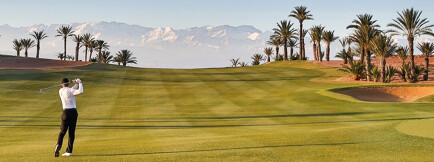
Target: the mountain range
(196, 47)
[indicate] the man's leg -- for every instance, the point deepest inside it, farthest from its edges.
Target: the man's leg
(72, 125)
(63, 129)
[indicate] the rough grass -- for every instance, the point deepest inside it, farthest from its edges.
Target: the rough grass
(275, 112)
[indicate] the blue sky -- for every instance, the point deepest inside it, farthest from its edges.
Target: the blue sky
(263, 14)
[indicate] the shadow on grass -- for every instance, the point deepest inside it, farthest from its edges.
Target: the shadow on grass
(228, 149)
(202, 126)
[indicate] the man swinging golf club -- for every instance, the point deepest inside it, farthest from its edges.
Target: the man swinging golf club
(69, 115)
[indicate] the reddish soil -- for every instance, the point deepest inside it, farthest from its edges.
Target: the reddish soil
(33, 63)
(394, 61)
(388, 94)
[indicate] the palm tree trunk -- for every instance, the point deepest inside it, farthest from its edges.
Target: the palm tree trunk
(362, 54)
(268, 59)
(277, 53)
(301, 41)
(25, 52)
(37, 49)
(411, 50)
(99, 55)
(291, 52)
(90, 54)
(18, 53)
(85, 54)
(319, 51)
(328, 52)
(77, 49)
(304, 51)
(64, 48)
(425, 75)
(383, 69)
(314, 51)
(124, 63)
(368, 64)
(285, 50)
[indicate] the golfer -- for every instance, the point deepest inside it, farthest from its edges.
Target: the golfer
(69, 115)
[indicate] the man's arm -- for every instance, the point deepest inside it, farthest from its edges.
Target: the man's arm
(78, 91)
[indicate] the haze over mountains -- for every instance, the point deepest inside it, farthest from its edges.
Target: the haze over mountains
(196, 47)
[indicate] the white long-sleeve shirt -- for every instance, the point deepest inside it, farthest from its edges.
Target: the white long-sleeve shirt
(67, 95)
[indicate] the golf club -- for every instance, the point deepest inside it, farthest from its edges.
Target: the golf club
(57, 85)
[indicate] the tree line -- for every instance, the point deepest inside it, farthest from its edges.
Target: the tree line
(85, 40)
(367, 40)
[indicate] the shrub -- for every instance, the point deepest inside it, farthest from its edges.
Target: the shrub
(390, 72)
(356, 70)
(375, 73)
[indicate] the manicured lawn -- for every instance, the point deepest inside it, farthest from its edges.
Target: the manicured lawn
(275, 112)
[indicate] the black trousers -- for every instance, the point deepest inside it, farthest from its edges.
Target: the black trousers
(69, 121)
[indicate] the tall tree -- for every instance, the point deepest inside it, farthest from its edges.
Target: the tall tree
(383, 46)
(268, 51)
(101, 45)
(64, 32)
(329, 37)
(285, 31)
(301, 14)
(92, 45)
(317, 31)
(27, 43)
(365, 30)
(409, 24)
(78, 40)
(302, 45)
(313, 39)
(87, 39)
(427, 50)
(17, 46)
(276, 42)
(126, 56)
(38, 37)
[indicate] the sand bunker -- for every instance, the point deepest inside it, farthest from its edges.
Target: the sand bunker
(33, 63)
(388, 94)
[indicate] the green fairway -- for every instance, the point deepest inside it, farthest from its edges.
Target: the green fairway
(274, 112)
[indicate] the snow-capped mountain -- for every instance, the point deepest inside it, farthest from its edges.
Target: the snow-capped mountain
(197, 47)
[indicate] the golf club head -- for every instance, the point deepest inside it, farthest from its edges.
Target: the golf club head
(40, 91)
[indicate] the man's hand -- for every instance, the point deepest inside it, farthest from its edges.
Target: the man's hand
(77, 81)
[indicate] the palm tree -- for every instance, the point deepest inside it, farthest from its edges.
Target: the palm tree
(243, 64)
(92, 45)
(285, 31)
(313, 38)
(38, 36)
(411, 25)
(125, 57)
(117, 59)
(27, 43)
(302, 45)
(383, 46)
(77, 39)
(427, 50)
(365, 31)
(87, 39)
(268, 51)
(257, 58)
(60, 56)
(292, 43)
(402, 53)
(343, 54)
(301, 14)
(328, 37)
(17, 46)
(362, 22)
(64, 32)
(317, 31)
(276, 42)
(100, 45)
(104, 57)
(234, 62)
